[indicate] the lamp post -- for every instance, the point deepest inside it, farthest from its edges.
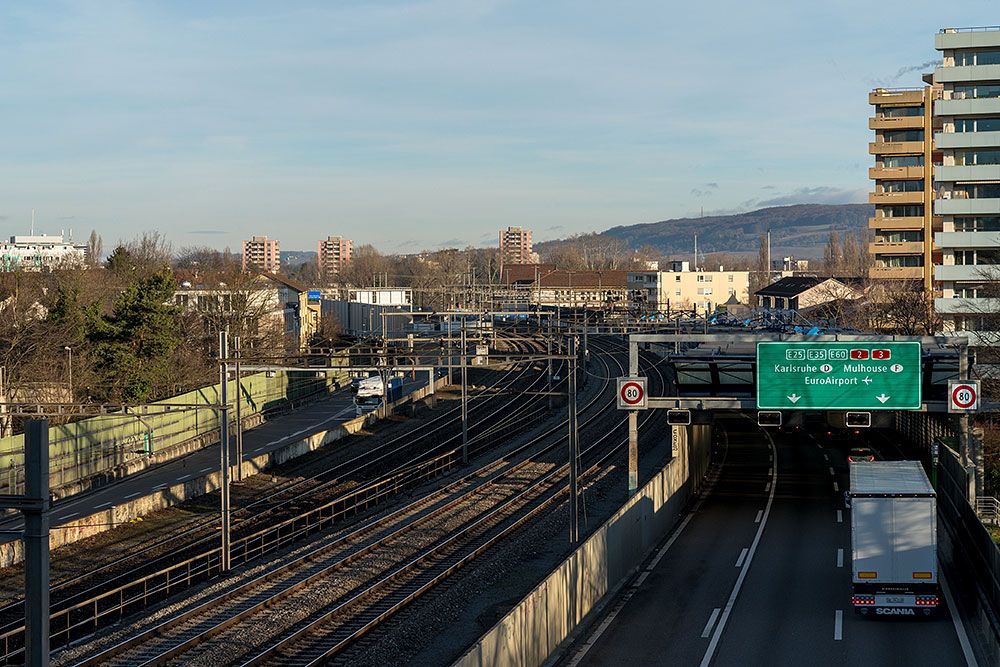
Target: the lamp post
(69, 366)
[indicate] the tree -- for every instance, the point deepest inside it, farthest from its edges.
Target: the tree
(832, 255)
(760, 272)
(134, 343)
(95, 248)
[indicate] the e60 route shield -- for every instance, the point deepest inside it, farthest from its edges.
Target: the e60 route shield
(855, 375)
(632, 393)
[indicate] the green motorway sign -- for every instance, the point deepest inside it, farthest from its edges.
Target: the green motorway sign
(863, 375)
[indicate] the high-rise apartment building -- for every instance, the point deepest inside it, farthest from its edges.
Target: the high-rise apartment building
(261, 253)
(515, 246)
(903, 192)
(967, 182)
(334, 254)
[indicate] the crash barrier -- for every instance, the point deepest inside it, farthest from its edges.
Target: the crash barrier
(94, 451)
(548, 614)
(966, 541)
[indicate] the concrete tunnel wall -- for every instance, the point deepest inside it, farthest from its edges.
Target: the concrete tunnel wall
(548, 614)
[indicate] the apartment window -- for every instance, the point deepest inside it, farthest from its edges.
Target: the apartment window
(677, 279)
(981, 257)
(903, 161)
(677, 293)
(898, 112)
(965, 158)
(979, 191)
(903, 186)
(701, 291)
(970, 58)
(703, 278)
(978, 224)
(968, 291)
(910, 211)
(730, 277)
(976, 91)
(731, 291)
(903, 261)
(970, 324)
(908, 236)
(977, 125)
(903, 135)
(708, 291)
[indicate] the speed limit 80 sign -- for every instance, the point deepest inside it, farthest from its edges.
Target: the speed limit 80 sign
(963, 395)
(632, 393)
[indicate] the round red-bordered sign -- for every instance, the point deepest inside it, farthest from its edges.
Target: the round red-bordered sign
(631, 393)
(963, 391)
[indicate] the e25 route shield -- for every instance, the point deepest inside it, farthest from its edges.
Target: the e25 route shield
(857, 375)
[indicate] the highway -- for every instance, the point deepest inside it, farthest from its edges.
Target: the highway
(759, 573)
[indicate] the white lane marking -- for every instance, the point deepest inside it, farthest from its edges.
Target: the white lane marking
(831, 470)
(760, 515)
(840, 516)
(770, 458)
(606, 623)
(767, 487)
(963, 639)
(207, 469)
(838, 625)
(770, 472)
(826, 457)
(836, 487)
(819, 446)
(102, 506)
(182, 478)
(133, 495)
(743, 555)
(68, 516)
(711, 621)
(731, 602)
(840, 558)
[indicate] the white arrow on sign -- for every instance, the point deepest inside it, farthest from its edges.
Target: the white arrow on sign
(793, 398)
(883, 397)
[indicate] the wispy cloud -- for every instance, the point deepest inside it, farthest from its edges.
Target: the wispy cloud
(818, 195)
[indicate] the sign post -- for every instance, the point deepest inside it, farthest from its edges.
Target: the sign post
(857, 375)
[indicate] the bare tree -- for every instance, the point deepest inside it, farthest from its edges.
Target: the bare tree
(95, 248)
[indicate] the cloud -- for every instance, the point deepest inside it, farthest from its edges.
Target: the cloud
(698, 192)
(452, 243)
(768, 187)
(818, 195)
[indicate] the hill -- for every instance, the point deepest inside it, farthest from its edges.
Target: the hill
(801, 230)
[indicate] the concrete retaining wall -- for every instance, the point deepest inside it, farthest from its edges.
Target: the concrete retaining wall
(13, 552)
(547, 615)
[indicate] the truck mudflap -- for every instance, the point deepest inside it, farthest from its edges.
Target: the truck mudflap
(894, 604)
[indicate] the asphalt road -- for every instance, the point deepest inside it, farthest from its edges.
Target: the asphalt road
(761, 574)
(272, 434)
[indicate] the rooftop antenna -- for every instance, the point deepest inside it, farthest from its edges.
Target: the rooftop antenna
(695, 252)
(32, 222)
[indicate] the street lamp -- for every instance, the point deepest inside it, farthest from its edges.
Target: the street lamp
(69, 366)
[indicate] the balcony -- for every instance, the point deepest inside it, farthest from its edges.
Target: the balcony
(896, 248)
(967, 38)
(896, 147)
(974, 172)
(896, 123)
(916, 222)
(967, 206)
(966, 306)
(895, 197)
(895, 173)
(944, 140)
(966, 272)
(966, 73)
(967, 239)
(897, 272)
(967, 107)
(885, 96)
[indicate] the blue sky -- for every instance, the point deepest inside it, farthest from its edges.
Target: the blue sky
(417, 125)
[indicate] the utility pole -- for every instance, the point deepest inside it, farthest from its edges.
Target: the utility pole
(36, 542)
(5, 429)
(224, 442)
(574, 447)
(239, 420)
(465, 402)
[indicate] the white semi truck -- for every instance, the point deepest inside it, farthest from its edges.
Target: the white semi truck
(893, 539)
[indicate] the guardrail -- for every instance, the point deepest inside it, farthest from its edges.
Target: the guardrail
(988, 509)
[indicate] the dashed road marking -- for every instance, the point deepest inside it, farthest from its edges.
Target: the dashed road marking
(68, 516)
(767, 487)
(711, 621)
(831, 470)
(840, 516)
(836, 487)
(743, 555)
(133, 495)
(207, 469)
(182, 478)
(760, 514)
(840, 558)
(838, 625)
(826, 457)
(102, 506)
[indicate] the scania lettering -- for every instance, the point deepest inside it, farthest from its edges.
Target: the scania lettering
(893, 539)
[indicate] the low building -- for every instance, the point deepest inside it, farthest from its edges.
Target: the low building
(41, 253)
(544, 286)
(680, 288)
(803, 292)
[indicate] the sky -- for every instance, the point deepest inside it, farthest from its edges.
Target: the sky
(418, 125)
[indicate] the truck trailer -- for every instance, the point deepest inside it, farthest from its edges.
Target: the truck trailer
(373, 392)
(893, 539)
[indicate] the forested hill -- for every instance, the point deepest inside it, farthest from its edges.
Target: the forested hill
(801, 230)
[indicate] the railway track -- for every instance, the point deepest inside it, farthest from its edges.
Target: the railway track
(428, 541)
(89, 607)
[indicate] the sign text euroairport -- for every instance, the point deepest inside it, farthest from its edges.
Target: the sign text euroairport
(857, 375)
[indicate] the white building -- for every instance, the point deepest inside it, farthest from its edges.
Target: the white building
(41, 252)
(680, 288)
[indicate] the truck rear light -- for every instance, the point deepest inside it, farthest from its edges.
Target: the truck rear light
(867, 575)
(921, 575)
(858, 600)
(927, 600)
